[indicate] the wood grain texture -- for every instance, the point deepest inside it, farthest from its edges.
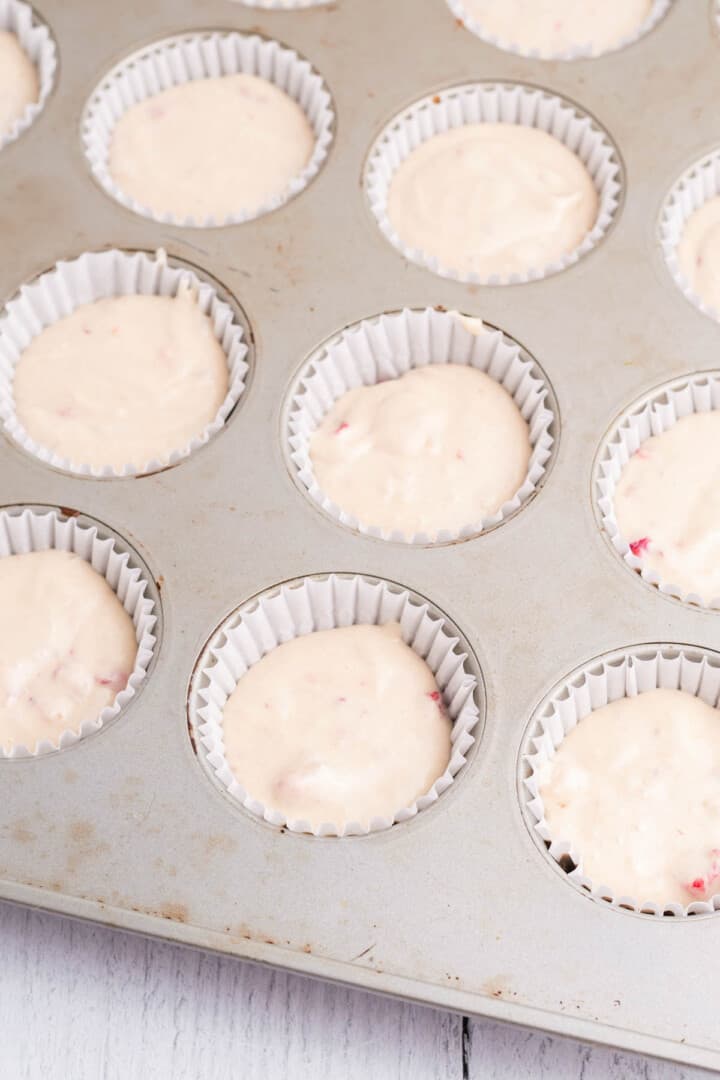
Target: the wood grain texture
(79, 1002)
(500, 1052)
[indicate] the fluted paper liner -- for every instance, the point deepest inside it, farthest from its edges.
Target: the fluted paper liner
(578, 52)
(36, 40)
(475, 103)
(695, 187)
(652, 415)
(616, 675)
(391, 345)
(187, 57)
(101, 275)
(26, 530)
(311, 604)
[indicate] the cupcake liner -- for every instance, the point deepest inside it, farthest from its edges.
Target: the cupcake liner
(391, 345)
(659, 9)
(652, 415)
(100, 275)
(695, 187)
(475, 103)
(608, 678)
(23, 530)
(187, 57)
(323, 603)
(36, 40)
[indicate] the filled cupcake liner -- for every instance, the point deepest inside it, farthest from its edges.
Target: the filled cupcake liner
(652, 415)
(389, 346)
(695, 187)
(658, 11)
(101, 275)
(324, 603)
(626, 673)
(188, 57)
(490, 103)
(26, 530)
(36, 40)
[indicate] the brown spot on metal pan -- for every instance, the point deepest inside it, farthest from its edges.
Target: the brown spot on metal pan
(173, 912)
(21, 833)
(81, 831)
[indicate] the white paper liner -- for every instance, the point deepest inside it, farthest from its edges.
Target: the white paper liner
(26, 530)
(186, 57)
(391, 345)
(695, 187)
(652, 415)
(311, 604)
(475, 103)
(99, 275)
(37, 42)
(659, 9)
(625, 673)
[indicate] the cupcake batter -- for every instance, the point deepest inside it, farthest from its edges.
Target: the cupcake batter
(699, 252)
(18, 82)
(67, 646)
(439, 448)
(635, 787)
(492, 199)
(211, 148)
(122, 381)
(667, 505)
(338, 726)
(554, 27)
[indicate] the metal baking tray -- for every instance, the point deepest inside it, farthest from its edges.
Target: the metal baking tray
(457, 908)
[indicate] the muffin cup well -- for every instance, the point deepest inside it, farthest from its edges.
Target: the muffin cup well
(36, 40)
(692, 190)
(387, 347)
(183, 59)
(475, 103)
(23, 530)
(652, 415)
(323, 603)
(659, 9)
(101, 275)
(609, 678)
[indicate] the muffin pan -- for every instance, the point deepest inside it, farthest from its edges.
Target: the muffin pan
(460, 906)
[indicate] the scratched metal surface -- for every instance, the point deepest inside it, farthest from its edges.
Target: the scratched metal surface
(457, 907)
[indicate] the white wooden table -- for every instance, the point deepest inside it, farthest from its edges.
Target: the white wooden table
(79, 1002)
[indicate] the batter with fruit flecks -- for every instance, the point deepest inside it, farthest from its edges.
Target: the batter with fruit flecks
(441, 447)
(338, 726)
(123, 381)
(556, 27)
(635, 789)
(67, 646)
(667, 505)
